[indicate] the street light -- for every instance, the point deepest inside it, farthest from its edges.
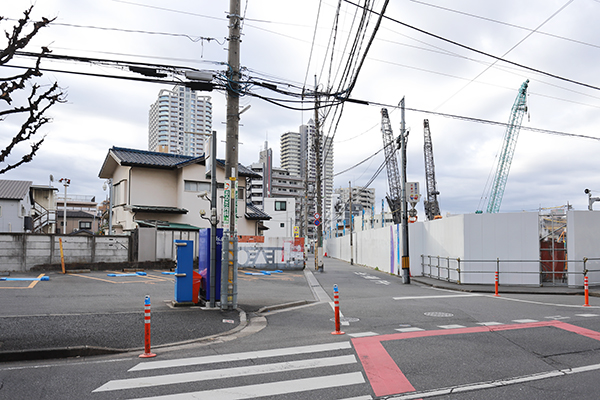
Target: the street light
(66, 182)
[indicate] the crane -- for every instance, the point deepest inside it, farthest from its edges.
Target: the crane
(511, 135)
(431, 205)
(394, 198)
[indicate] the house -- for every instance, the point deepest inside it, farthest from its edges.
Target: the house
(44, 209)
(15, 206)
(153, 187)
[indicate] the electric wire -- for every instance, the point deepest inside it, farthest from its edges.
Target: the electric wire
(453, 42)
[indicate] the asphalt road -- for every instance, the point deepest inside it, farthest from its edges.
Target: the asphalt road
(400, 342)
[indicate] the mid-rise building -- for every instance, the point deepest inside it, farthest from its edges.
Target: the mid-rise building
(365, 197)
(179, 120)
(275, 182)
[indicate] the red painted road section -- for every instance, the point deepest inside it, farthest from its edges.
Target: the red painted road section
(387, 379)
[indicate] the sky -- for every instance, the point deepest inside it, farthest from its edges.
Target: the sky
(434, 54)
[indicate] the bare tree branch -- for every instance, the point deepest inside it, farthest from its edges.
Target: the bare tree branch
(38, 101)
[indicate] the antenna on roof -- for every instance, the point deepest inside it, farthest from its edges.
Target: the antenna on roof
(51, 180)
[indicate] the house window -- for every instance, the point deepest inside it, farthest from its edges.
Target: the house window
(280, 206)
(282, 225)
(194, 186)
(85, 224)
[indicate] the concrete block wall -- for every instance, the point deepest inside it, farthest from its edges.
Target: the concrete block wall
(22, 252)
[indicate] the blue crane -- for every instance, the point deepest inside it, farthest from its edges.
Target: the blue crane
(519, 109)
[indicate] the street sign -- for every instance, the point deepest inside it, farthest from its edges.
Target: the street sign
(317, 222)
(317, 216)
(296, 231)
(226, 203)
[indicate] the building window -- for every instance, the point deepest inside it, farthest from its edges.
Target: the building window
(85, 224)
(193, 186)
(282, 225)
(280, 206)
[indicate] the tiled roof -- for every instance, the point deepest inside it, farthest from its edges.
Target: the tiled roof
(143, 158)
(159, 209)
(253, 212)
(14, 190)
(166, 225)
(149, 158)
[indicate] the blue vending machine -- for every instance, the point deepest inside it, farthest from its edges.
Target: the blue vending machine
(204, 264)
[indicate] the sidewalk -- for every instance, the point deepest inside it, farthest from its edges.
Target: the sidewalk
(91, 313)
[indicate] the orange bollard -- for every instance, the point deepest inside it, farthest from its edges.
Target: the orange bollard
(336, 302)
(496, 284)
(586, 291)
(147, 352)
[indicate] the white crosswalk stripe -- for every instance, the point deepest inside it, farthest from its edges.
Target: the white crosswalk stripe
(319, 374)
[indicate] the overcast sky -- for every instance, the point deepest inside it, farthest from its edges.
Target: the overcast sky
(287, 42)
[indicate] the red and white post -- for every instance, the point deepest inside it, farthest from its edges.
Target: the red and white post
(586, 289)
(496, 284)
(147, 352)
(336, 303)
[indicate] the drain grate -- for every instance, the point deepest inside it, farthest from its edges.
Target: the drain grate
(439, 314)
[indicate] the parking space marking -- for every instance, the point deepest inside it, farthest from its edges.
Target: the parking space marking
(387, 379)
(30, 286)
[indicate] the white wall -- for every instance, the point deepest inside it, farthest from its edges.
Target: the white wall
(510, 236)
(583, 240)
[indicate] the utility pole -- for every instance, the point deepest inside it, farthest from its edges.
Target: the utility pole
(319, 154)
(405, 257)
(213, 218)
(229, 264)
(66, 182)
(351, 246)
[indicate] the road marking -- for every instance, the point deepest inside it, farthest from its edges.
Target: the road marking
(496, 383)
(586, 315)
(241, 356)
(503, 297)
(492, 323)
(270, 389)
(436, 297)
(524, 321)
(557, 317)
(451, 326)
(387, 379)
(411, 329)
(362, 334)
(198, 376)
(365, 397)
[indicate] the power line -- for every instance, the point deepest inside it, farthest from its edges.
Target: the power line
(480, 51)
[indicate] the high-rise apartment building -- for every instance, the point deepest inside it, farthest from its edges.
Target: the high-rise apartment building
(179, 120)
(291, 154)
(298, 156)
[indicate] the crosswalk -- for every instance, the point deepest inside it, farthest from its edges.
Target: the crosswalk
(323, 368)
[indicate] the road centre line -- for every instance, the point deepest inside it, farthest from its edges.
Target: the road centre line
(241, 356)
(198, 376)
(496, 383)
(270, 389)
(436, 296)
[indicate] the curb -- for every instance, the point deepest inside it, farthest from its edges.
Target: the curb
(87, 351)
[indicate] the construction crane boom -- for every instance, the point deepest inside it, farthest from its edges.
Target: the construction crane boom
(431, 205)
(394, 197)
(519, 109)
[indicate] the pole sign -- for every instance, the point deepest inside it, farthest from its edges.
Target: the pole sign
(234, 201)
(226, 205)
(296, 231)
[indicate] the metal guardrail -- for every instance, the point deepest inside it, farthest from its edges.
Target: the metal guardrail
(451, 269)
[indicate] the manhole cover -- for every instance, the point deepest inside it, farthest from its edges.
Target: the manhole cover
(438, 314)
(346, 319)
